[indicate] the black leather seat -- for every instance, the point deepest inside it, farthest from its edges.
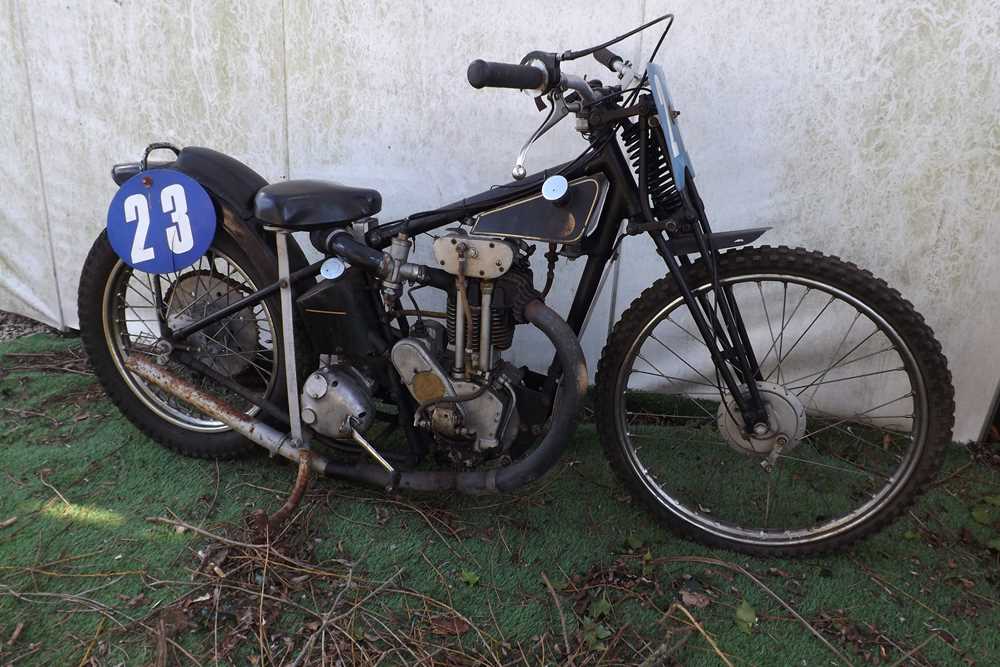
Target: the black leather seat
(306, 205)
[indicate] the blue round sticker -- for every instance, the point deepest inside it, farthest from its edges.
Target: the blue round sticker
(161, 221)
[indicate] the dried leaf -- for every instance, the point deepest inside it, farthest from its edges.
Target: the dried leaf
(449, 626)
(695, 599)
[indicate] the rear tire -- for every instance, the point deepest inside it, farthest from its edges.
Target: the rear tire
(149, 409)
(621, 431)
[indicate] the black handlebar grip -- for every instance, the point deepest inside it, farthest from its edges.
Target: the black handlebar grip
(607, 58)
(505, 75)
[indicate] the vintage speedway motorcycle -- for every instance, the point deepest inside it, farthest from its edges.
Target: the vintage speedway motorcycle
(764, 399)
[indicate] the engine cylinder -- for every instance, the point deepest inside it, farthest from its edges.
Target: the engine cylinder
(501, 326)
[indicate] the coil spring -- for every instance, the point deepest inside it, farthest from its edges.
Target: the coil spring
(501, 326)
(659, 176)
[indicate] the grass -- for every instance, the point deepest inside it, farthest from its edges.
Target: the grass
(82, 482)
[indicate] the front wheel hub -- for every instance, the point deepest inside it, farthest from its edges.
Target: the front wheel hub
(786, 422)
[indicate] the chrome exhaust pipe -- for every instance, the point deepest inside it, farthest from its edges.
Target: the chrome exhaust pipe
(252, 429)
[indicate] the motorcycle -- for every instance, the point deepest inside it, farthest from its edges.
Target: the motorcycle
(769, 400)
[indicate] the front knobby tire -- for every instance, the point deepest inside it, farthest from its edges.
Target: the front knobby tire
(660, 413)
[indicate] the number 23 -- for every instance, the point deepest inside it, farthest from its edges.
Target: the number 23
(173, 202)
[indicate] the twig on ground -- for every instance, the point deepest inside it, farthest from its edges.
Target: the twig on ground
(7, 523)
(746, 573)
(562, 618)
(895, 589)
(45, 367)
(41, 476)
(912, 652)
(257, 547)
(90, 646)
(955, 473)
(31, 413)
(702, 632)
(308, 647)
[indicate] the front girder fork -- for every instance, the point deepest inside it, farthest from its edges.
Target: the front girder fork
(726, 338)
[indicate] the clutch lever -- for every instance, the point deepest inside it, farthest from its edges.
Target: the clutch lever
(559, 111)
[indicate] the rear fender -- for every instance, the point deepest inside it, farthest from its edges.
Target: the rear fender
(232, 186)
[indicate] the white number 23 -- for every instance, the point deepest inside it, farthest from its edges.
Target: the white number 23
(172, 202)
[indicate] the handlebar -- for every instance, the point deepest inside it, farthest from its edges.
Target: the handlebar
(484, 74)
(608, 59)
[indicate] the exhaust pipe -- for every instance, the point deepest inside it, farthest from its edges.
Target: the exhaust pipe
(252, 429)
(568, 400)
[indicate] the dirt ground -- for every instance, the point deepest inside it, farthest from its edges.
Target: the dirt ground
(14, 326)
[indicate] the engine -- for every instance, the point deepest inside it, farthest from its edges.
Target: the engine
(466, 394)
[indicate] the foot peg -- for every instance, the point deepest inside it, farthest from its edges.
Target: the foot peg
(367, 446)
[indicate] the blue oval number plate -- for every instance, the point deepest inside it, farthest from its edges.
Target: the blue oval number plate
(161, 221)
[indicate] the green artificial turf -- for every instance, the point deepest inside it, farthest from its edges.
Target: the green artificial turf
(81, 482)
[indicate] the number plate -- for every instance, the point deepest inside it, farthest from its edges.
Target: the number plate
(161, 221)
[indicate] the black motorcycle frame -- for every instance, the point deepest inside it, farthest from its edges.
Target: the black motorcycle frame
(720, 324)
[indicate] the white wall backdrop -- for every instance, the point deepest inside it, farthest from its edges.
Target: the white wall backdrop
(870, 130)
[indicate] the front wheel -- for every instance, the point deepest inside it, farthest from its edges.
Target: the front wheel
(859, 400)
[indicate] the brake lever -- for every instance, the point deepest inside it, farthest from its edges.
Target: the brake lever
(559, 111)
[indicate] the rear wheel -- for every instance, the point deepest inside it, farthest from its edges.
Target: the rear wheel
(125, 312)
(858, 394)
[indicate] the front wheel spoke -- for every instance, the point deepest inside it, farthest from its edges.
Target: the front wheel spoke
(867, 423)
(798, 340)
(801, 378)
(680, 358)
(856, 416)
(675, 379)
(858, 470)
(833, 365)
(852, 377)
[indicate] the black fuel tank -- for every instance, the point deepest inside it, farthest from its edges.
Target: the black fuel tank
(537, 219)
